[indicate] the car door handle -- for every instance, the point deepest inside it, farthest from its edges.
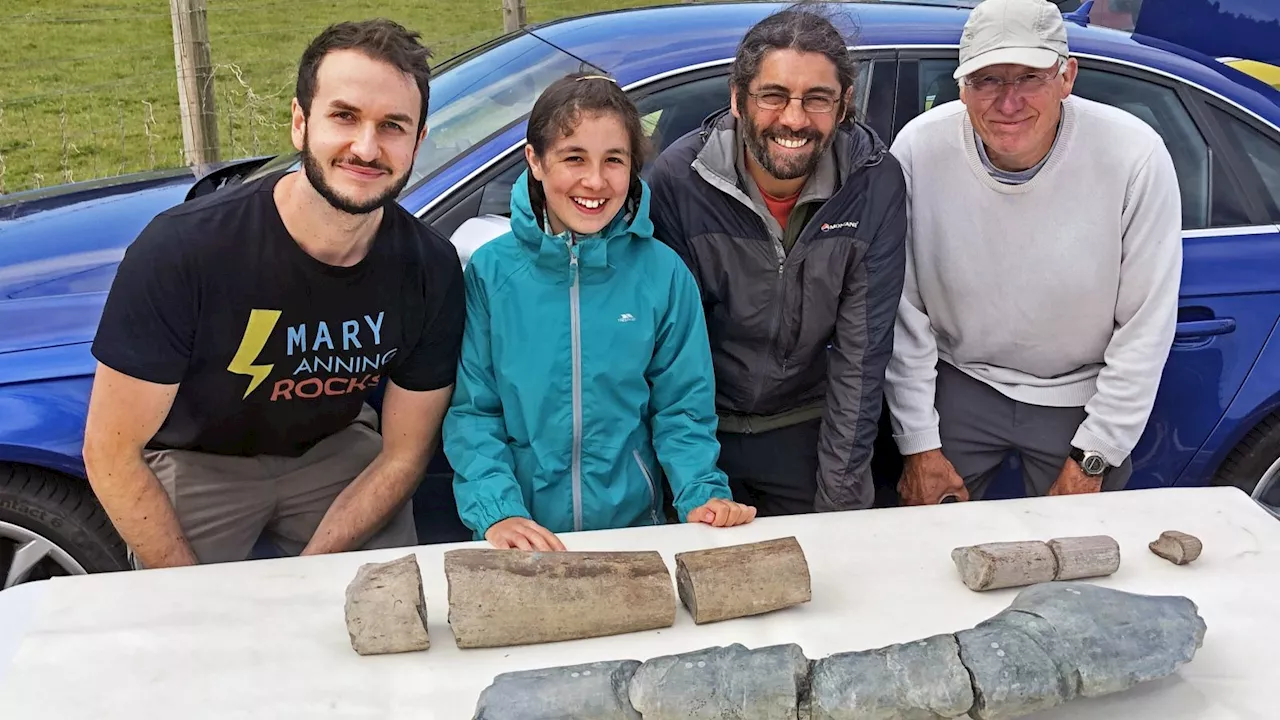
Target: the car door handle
(1204, 328)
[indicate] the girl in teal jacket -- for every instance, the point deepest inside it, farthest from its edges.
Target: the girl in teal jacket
(585, 372)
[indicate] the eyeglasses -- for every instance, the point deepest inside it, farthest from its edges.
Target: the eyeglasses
(816, 104)
(988, 87)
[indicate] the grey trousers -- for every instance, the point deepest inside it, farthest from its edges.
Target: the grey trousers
(979, 425)
(225, 503)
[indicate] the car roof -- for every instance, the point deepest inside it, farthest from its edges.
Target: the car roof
(639, 43)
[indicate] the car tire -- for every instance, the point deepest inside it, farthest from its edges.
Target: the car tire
(62, 510)
(1254, 458)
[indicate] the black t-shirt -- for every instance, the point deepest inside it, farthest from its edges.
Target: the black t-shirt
(275, 350)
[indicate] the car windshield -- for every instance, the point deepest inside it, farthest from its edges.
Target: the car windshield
(475, 95)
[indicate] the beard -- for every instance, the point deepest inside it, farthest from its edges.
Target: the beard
(795, 165)
(315, 174)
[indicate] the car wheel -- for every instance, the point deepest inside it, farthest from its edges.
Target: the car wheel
(1254, 465)
(51, 525)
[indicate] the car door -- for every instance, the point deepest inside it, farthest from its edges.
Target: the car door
(1230, 293)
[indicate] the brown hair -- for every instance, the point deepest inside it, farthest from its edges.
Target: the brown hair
(380, 39)
(559, 110)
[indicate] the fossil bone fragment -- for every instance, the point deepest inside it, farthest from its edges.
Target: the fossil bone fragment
(921, 680)
(739, 580)
(721, 682)
(385, 608)
(1178, 548)
(513, 597)
(993, 566)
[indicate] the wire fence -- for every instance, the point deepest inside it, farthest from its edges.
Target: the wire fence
(92, 92)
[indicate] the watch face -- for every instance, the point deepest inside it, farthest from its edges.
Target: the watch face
(1094, 465)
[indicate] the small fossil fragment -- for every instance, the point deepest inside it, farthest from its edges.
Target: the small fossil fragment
(993, 566)
(1178, 548)
(1085, 557)
(739, 580)
(385, 608)
(1005, 564)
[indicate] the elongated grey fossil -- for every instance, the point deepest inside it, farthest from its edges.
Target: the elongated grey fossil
(1057, 641)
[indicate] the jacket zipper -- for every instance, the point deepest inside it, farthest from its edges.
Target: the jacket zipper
(793, 337)
(653, 493)
(576, 333)
(780, 257)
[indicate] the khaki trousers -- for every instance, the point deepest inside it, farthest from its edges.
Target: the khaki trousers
(225, 503)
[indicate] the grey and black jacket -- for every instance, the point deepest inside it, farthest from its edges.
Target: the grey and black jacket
(801, 334)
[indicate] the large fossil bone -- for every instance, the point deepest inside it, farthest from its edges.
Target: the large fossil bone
(514, 597)
(1057, 641)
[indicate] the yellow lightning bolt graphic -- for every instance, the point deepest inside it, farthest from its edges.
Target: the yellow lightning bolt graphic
(261, 323)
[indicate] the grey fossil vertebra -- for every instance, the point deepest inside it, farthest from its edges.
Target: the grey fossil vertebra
(1057, 641)
(722, 682)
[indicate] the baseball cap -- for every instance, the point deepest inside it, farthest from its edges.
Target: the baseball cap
(1012, 32)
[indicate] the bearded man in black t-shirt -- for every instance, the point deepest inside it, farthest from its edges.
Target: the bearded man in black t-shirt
(245, 331)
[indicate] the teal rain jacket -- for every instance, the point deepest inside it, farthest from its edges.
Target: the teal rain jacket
(585, 373)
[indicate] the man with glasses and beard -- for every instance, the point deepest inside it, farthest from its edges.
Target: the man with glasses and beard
(792, 218)
(245, 331)
(1042, 284)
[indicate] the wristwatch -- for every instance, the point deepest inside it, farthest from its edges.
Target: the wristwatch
(1092, 463)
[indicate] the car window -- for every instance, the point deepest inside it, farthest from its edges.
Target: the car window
(936, 87)
(874, 89)
(482, 95)
(1263, 153)
(1160, 107)
(1157, 105)
(672, 112)
(666, 115)
(474, 96)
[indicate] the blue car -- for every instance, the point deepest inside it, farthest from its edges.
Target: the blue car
(1217, 418)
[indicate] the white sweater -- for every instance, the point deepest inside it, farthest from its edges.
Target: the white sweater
(1062, 291)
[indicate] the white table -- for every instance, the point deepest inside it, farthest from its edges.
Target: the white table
(266, 639)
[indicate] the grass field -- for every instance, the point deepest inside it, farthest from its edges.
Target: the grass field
(88, 88)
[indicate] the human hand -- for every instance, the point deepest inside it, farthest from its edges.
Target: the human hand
(927, 478)
(522, 534)
(722, 513)
(1073, 481)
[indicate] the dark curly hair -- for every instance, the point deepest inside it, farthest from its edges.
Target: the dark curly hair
(805, 27)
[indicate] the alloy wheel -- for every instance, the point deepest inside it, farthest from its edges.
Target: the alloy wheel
(26, 556)
(1267, 493)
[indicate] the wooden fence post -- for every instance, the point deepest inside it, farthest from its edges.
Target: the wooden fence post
(514, 15)
(195, 83)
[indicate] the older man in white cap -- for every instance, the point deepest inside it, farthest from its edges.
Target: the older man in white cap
(1043, 265)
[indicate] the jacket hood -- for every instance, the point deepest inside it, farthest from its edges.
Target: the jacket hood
(856, 145)
(553, 251)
